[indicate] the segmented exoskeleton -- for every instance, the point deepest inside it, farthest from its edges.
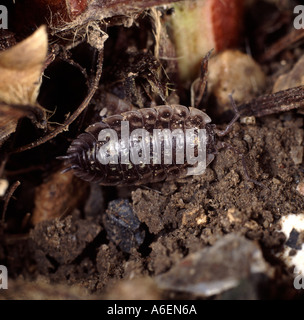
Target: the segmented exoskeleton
(84, 155)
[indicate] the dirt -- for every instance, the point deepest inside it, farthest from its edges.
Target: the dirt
(118, 250)
(180, 217)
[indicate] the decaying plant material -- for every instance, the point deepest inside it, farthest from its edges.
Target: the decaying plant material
(277, 102)
(199, 26)
(21, 69)
(58, 196)
(90, 59)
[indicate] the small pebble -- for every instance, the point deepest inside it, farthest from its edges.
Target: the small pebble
(296, 153)
(292, 226)
(248, 120)
(234, 71)
(122, 225)
(300, 188)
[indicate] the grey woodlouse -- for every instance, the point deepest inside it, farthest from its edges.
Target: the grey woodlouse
(82, 153)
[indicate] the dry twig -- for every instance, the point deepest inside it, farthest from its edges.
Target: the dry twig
(73, 117)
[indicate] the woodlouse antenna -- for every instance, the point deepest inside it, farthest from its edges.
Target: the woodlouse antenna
(66, 170)
(224, 132)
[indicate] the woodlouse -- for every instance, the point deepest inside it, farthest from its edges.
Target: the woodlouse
(82, 153)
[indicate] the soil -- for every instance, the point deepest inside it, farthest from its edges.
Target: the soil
(180, 217)
(165, 222)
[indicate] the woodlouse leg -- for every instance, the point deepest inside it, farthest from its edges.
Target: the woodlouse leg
(103, 114)
(222, 145)
(150, 189)
(69, 169)
(64, 157)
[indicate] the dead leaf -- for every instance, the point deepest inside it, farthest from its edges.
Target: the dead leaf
(58, 196)
(20, 77)
(84, 18)
(10, 115)
(21, 69)
(293, 78)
